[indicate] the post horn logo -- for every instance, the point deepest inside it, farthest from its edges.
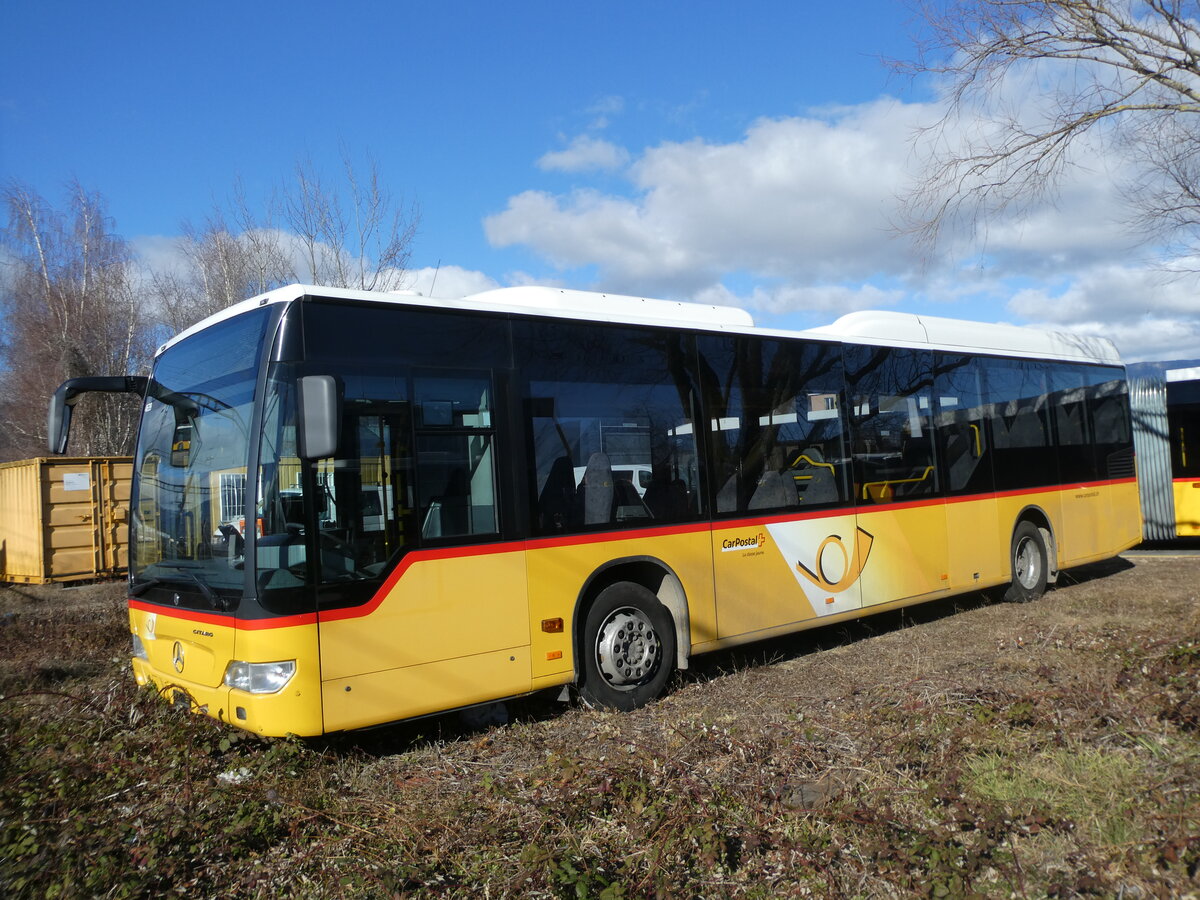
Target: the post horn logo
(834, 572)
(177, 657)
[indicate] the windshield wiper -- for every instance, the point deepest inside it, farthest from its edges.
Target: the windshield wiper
(210, 595)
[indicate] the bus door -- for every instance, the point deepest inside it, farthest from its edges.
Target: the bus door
(781, 562)
(897, 489)
(976, 553)
(786, 546)
(421, 609)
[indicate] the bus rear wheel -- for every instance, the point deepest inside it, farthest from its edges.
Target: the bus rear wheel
(628, 648)
(1029, 564)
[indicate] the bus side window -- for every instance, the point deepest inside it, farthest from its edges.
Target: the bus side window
(456, 472)
(608, 424)
(775, 423)
(1018, 405)
(962, 425)
(1112, 429)
(892, 392)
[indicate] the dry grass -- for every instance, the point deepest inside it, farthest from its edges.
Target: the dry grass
(961, 748)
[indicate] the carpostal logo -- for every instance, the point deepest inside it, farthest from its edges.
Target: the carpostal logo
(757, 542)
(836, 567)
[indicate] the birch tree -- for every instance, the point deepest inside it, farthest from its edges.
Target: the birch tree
(353, 234)
(233, 255)
(347, 232)
(71, 308)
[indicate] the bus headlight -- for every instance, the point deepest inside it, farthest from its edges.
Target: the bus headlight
(139, 649)
(259, 678)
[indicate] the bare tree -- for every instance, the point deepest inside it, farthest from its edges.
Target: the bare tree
(72, 309)
(348, 234)
(357, 237)
(232, 256)
(1028, 80)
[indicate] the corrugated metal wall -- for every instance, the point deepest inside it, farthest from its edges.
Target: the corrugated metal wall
(1148, 398)
(64, 519)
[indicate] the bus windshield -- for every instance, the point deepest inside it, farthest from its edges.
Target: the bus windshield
(189, 515)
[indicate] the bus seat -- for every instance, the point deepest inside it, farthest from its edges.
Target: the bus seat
(821, 487)
(667, 499)
(628, 503)
(773, 491)
(727, 496)
(594, 499)
(557, 496)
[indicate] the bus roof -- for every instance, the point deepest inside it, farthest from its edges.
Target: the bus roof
(908, 329)
(867, 327)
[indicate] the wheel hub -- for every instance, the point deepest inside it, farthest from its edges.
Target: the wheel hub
(1027, 564)
(628, 649)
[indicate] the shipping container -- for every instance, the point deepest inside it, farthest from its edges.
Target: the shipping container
(64, 519)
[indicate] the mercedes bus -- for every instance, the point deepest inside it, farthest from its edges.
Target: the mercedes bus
(354, 508)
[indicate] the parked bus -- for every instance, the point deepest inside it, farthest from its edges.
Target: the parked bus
(1166, 414)
(354, 508)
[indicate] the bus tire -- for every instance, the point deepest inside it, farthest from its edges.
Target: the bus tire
(1029, 564)
(628, 648)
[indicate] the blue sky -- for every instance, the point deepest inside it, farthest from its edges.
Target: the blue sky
(748, 154)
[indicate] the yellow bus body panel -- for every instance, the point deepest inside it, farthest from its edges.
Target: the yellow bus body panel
(461, 626)
(206, 645)
(976, 543)
(775, 572)
(911, 550)
(1187, 507)
(401, 693)
(560, 568)
(446, 626)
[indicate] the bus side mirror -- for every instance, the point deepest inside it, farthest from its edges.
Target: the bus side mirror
(58, 423)
(320, 416)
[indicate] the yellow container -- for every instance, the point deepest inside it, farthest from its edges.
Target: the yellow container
(64, 518)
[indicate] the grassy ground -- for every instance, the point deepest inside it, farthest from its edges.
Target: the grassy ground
(964, 748)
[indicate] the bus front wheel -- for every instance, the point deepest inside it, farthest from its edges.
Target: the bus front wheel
(628, 648)
(1028, 564)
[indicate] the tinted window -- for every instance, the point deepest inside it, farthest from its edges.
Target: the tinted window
(1019, 415)
(963, 439)
(415, 462)
(776, 424)
(607, 413)
(891, 402)
(456, 470)
(1183, 418)
(1109, 421)
(1072, 424)
(187, 535)
(408, 335)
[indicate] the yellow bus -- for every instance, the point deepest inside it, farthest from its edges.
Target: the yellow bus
(438, 506)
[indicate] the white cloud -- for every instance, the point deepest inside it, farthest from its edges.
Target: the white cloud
(159, 253)
(1111, 293)
(585, 154)
(1150, 337)
(835, 299)
(604, 109)
(803, 210)
(450, 282)
(800, 198)
(1147, 314)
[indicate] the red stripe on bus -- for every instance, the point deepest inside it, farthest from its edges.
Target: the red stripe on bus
(559, 541)
(202, 618)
